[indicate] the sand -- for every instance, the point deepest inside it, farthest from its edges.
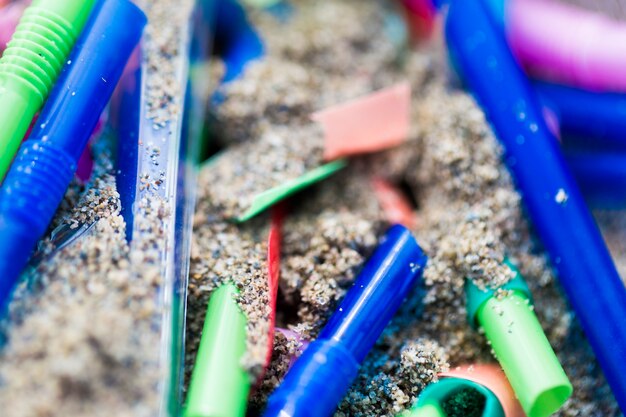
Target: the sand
(468, 214)
(83, 334)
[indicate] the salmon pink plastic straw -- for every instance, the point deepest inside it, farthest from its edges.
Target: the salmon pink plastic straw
(492, 377)
(567, 44)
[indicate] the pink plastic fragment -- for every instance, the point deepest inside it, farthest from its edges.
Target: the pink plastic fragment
(394, 203)
(492, 377)
(10, 15)
(567, 44)
(371, 123)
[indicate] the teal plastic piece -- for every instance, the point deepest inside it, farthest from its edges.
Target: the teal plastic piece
(431, 400)
(476, 297)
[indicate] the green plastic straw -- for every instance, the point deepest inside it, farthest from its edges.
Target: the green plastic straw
(520, 346)
(31, 64)
(219, 385)
(272, 196)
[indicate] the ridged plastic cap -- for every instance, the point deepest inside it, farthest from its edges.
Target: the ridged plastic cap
(476, 297)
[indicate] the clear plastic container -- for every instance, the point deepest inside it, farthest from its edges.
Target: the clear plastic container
(174, 166)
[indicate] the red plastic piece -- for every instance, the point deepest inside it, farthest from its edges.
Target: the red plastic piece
(273, 273)
(421, 16)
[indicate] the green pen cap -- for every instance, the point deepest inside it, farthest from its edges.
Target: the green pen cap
(219, 385)
(432, 399)
(520, 345)
(31, 64)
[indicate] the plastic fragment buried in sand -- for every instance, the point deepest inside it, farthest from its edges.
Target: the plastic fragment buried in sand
(372, 123)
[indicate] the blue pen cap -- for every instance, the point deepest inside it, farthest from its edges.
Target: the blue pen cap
(46, 162)
(319, 379)
(377, 293)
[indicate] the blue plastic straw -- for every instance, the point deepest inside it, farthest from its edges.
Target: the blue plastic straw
(601, 177)
(589, 119)
(46, 162)
(321, 376)
(553, 200)
(238, 42)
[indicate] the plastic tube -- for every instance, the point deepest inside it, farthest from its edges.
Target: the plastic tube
(551, 196)
(31, 63)
(541, 34)
(520, 346)
(219, 385)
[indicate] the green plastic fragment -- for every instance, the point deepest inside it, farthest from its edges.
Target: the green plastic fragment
(219, 385)
(268, 198)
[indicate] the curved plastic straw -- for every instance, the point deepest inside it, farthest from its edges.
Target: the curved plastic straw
(323, 373)
(430, 400)
(46, 162)
(30, 65)
(551, 196)
(492, 377)
(568, 44)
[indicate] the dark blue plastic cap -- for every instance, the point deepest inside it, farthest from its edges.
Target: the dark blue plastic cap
(377, 293)
(321, 376)
(45, 164)
(551, 196)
